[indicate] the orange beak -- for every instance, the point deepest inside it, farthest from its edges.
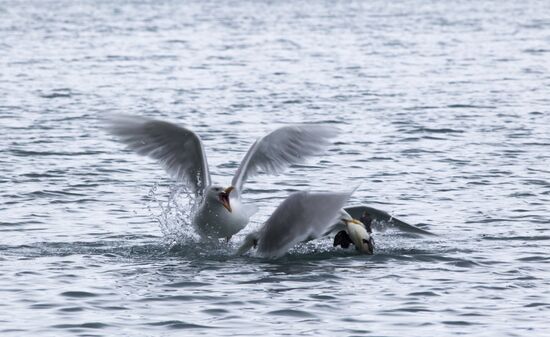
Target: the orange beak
(224, 198)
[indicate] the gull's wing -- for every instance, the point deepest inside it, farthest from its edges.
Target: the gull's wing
(384, 220)
(301, 216)
(281, 148)
(179, 150)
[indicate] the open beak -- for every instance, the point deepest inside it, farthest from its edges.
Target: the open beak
(224, 198)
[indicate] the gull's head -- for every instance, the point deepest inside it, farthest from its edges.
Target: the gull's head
(250, 241)
(219, 194)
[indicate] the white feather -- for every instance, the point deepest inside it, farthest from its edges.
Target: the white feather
(281, 148)
(302, 216)
(178, 149)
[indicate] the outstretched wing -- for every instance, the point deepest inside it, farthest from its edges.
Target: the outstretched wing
(301, 216)
(281, 148)
(384, 220)
(179, 150)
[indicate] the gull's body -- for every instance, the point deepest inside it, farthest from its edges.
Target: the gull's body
(214, 220)
(300, 217)
(221, 212)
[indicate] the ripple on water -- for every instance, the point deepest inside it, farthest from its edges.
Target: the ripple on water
(78, 294)
(71, 309)
(186, 284)
(177, 325)
(292, 313)
(78, 327)
(216, 312)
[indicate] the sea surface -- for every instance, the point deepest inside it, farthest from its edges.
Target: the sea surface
(444, 112)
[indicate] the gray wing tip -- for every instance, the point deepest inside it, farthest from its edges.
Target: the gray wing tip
(116, 123)
(330, 131)
(321, 129)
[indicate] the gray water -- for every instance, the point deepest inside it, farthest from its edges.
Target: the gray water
(444, 112)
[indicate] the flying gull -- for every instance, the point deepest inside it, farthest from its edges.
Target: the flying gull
(221, 214)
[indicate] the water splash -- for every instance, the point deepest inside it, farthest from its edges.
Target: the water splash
(174, 207)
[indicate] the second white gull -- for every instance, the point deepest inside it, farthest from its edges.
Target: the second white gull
(301, 217)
